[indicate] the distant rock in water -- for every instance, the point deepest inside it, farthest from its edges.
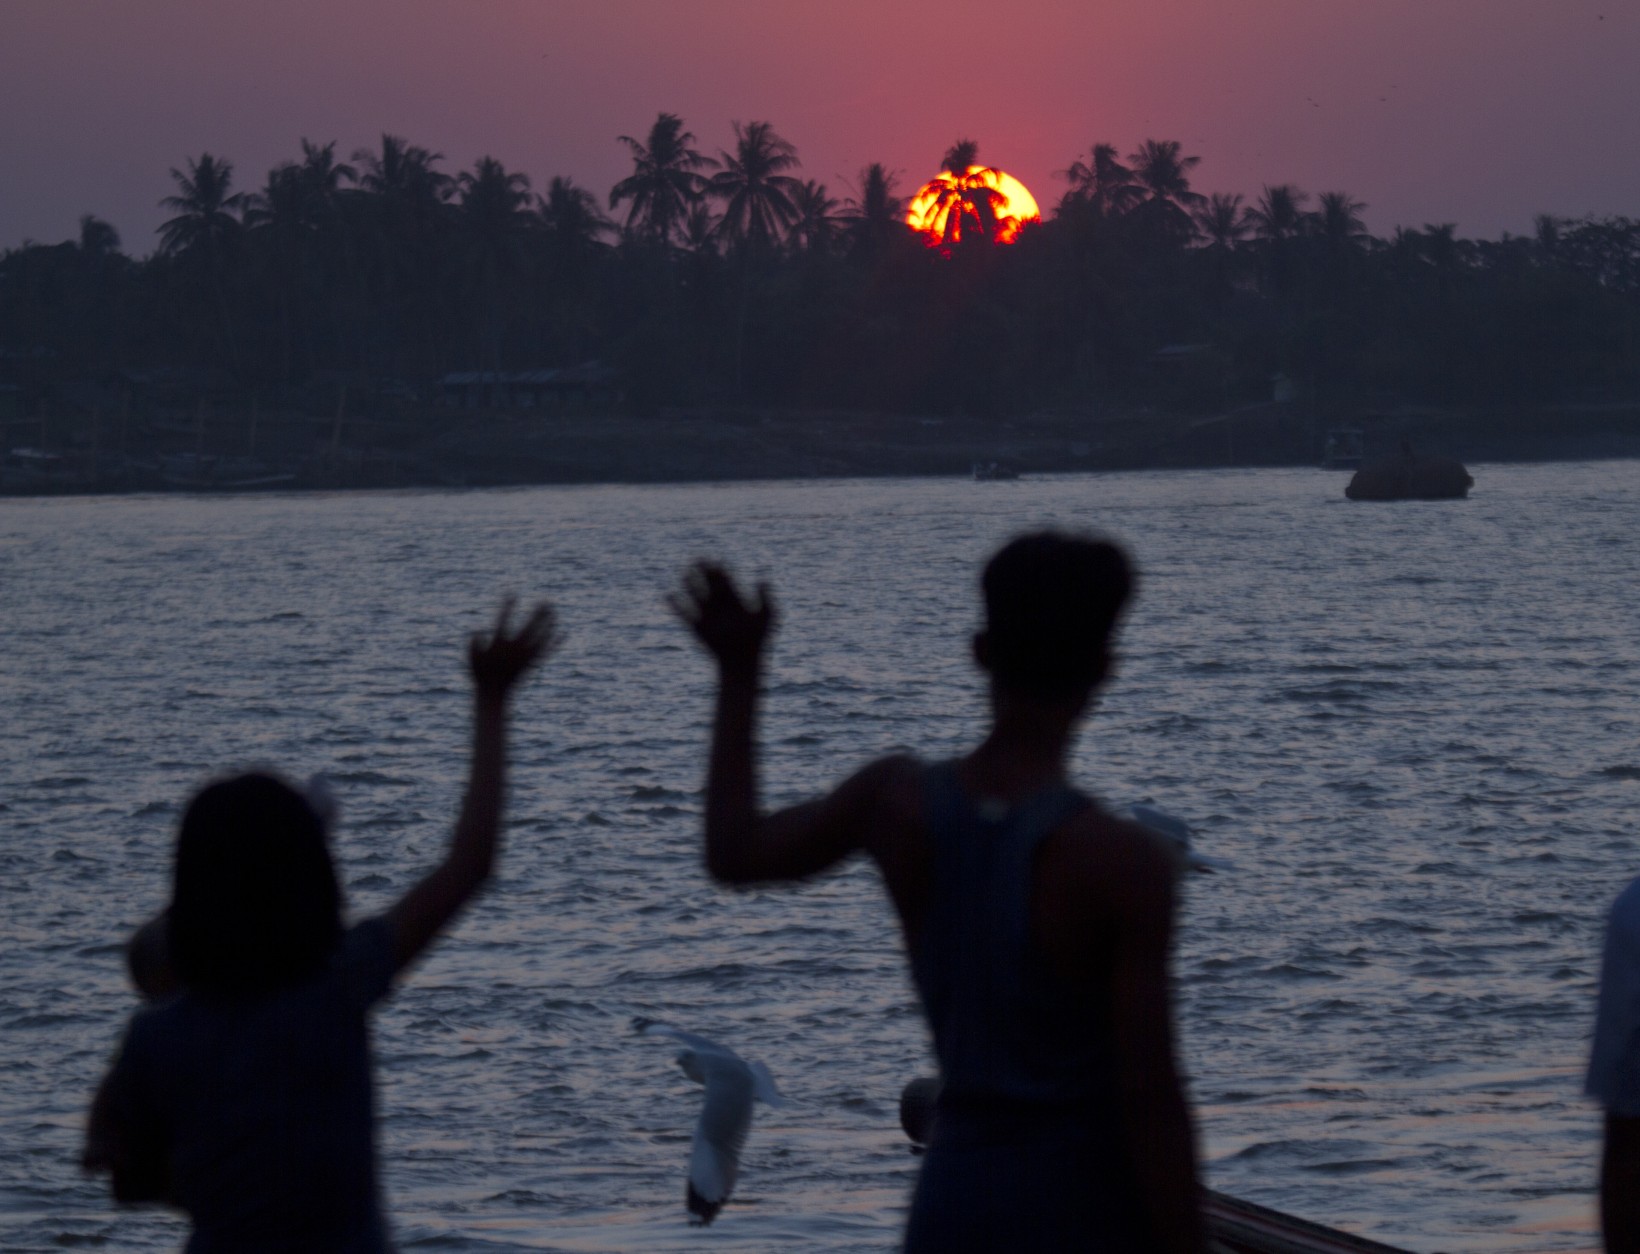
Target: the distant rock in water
(1410, 477)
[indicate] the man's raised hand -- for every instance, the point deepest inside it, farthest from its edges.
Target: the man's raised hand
(733, 629)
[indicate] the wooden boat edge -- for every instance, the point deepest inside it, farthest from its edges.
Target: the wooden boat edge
(1242, 1227)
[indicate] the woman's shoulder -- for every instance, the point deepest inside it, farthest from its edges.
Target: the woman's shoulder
(359, 972)
(364, 961)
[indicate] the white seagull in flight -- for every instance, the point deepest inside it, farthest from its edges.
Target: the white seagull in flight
(732, 1084)
(1176, 830)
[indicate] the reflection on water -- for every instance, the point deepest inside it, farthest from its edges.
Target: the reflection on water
(1412, 727)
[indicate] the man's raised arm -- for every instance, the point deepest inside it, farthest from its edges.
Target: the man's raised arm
(743, 846)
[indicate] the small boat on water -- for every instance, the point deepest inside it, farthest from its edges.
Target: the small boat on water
(1410, 476)
(1345, 448)
(985, 472)
(209, 473)
(39, 470)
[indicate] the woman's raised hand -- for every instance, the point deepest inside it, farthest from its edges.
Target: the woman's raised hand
(499, 658)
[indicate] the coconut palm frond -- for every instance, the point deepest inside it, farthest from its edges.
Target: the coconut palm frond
(665, 180)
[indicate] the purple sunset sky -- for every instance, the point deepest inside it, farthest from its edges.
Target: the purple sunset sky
(1479, 112)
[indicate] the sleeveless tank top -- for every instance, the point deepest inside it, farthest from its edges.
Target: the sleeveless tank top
(1007, 1031)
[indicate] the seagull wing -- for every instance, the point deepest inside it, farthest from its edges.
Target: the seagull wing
(763, 1088)
(1169, 825)
(720, 1133)
(1177, 831)
(650, 1027)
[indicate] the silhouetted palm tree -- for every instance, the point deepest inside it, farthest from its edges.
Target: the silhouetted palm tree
(328, 251)
(205, 228)
(404, 207)
(295, 221)
(1162, 171)
(961, 195)
(1546, 234)
(1102, 184)
(98, 239)
(104, 271)
(664, 183)
(1441, 243)
(1222, 221)
(756, 193)
(493, 219)
(959, 156)
(816, 227)
(700, 231)
(1339, 230)
(324, 174)
(1278, 213)
(1223, 224)
(1445, 253)
(1403, 254)
(205, 210)
(874, 215)
(572, 230)
(281, 204)
(405, 197)
(754, 187)
(408, 192)
(1277, 218)
(278, 221)
(570, 219)
(1339, 221)
(494, 202)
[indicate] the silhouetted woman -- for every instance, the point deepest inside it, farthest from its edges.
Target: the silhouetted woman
(245, 1099)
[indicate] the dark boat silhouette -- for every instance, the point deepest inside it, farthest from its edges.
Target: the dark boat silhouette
(1409, 476)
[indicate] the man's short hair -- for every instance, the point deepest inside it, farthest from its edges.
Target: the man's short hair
(1051, 604)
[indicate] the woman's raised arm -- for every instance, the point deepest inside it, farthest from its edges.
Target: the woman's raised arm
(497, 660)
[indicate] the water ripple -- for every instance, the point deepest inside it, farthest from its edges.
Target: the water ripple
(1412, 730)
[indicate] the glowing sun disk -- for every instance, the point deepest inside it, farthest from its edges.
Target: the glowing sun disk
(950, 206)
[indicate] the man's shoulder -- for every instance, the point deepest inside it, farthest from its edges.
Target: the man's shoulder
(1103, 877)
(1115, 860)
(1628, 901)
(893, 779)
(1117, 844)
(1624, 918)
(1614, 1061)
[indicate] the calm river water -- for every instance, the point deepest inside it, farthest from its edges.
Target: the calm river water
(1413, 727)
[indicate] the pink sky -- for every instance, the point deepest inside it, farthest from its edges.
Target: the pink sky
(1479, 112)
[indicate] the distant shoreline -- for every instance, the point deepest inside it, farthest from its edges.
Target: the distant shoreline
(445, 448)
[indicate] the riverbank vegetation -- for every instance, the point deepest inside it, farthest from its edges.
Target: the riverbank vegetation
(728, 278)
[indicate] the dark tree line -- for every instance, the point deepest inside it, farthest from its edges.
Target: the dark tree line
(729, 278)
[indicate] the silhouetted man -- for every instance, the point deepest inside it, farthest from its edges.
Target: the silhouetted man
(1038, 927)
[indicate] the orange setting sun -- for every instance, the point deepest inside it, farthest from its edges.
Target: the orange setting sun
(982, 201)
